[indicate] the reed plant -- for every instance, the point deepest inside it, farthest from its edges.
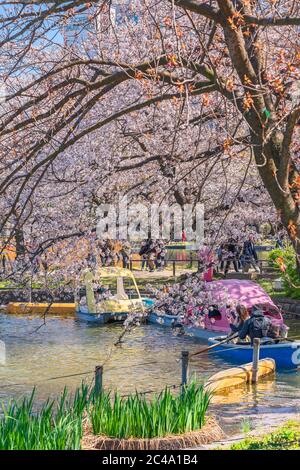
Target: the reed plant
(137, 417)
(56, 425)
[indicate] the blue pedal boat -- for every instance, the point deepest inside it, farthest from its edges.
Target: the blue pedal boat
(286, 354)
(172, 321)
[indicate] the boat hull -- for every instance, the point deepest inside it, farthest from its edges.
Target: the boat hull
(223, 381)
(101, 318)
(286, 355)
(200, 333)
(38, 308)
(107, 317)
(163, 320)
(172, 321)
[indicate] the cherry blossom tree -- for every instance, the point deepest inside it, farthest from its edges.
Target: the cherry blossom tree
(202, 94)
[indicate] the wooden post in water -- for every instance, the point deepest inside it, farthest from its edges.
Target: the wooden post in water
(98, 379)
(174, 269)
(255, 360)
(184, 368)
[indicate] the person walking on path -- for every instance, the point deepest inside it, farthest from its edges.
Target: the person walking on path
(250, 257)
(125, 253)
(232, 255)
(143, 254)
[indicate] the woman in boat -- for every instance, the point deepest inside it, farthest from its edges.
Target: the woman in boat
(241, 316)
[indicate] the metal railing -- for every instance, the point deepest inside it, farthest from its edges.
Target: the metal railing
(190, 263)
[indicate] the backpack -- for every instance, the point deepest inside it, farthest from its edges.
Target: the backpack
(259, 327)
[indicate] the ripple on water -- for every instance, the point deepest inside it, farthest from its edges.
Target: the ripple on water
(147, 359)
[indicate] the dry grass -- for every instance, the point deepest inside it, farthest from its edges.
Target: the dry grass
(210, 432)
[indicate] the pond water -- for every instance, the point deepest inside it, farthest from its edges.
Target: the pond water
(148, 359)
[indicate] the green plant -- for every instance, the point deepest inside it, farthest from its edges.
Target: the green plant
(165, 414)
(55, 426)
(291, 283)
(287, 254)
(246, 425)
(286, 437)
(285, 260)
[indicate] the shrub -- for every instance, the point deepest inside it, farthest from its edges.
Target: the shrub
(287, 254)
(285, 259)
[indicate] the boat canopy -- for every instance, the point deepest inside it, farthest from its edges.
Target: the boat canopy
(243, 292)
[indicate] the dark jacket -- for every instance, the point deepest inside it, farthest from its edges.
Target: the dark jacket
(236, 328)
(256, 326)
(249, 250)
(232, 250)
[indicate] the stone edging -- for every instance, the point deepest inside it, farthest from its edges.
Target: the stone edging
(290, 307)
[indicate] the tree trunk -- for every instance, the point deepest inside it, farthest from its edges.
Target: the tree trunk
(20, 244)
(287, 209)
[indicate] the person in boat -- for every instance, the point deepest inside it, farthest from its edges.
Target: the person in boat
(238, 318)
(257, 326)
(214, 313)
(277, 332)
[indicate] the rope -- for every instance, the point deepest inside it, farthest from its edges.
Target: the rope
(58, 377)
(154, 391)
(146, 392)
(47, 379)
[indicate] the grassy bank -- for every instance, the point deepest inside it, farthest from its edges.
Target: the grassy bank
(268, 286)
(286, 437)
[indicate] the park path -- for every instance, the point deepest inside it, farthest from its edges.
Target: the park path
(265, 423)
